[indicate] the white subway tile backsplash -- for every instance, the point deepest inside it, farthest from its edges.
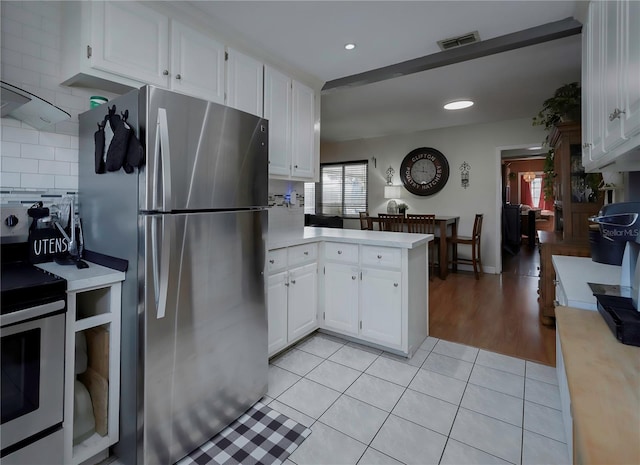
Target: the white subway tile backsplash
(43, 181)
(9, 179)
(11, 58)
(53, 83)
(66, 182)
(74, 142)
(11, 27)
(74, 169)
(20, 45)
(9, 149)
(55, 140)
(68, 155)
(53, 167)
(17, 12)
(27, 136)
(39, 152)
(71, 127)
(19, 165)
(9, 121)
(40, 66)
(50, 53)
(18, 76)
(41, 37)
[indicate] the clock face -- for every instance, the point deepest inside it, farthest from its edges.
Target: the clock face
(424, 171)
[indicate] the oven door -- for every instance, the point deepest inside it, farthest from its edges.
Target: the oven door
(32, 371)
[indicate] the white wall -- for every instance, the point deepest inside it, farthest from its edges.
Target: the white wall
(478, 145)
(30, 58)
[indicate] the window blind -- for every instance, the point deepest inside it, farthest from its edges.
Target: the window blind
(343, 189)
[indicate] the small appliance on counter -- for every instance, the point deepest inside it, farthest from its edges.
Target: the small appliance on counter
(620, 223)
(611, 230)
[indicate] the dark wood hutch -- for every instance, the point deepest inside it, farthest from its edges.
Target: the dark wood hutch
(576, 198)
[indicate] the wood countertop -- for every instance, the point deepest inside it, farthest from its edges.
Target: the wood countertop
(604, 385)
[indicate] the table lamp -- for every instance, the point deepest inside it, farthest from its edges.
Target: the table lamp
(392, 192)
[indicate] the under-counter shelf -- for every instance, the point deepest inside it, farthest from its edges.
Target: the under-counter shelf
(93, 308)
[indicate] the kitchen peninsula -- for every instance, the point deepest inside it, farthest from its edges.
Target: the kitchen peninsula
(367, 286)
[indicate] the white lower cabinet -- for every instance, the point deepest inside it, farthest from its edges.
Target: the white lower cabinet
(363, 295)
(302, 301)
(341, 297)
(381, 306)
(292, 295)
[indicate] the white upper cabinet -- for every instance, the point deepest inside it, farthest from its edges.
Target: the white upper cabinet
(611, 89)
(197, 64)
(290, 108)
(131, 40)
(302, 134)
(277, 109)
(117, 46)
(244, 83)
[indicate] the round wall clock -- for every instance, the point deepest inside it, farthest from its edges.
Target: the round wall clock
(424, 171)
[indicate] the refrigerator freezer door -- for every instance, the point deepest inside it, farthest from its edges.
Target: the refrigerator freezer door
(205, 359)
(201, 155)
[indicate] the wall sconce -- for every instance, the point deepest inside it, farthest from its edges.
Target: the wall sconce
(529, 176)
(392, 192)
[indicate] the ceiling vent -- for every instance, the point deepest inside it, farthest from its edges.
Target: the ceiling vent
(465, 39)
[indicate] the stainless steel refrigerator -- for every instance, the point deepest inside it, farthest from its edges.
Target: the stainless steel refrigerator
(192, 223)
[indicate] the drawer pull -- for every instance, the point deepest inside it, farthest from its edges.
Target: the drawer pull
(339, 252)
(379, 256)
(354, 278)
(395, 284)
(272, 261)
(306, 253)
(293, 281)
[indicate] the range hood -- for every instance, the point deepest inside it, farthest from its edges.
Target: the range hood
(31, 109)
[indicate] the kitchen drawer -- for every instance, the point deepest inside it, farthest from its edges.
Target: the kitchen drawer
(302, 253)
(276, 260)
(339, 252)
(387, 257)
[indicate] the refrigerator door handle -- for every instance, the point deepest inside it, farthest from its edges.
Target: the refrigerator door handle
(162, 155)
(161, 273)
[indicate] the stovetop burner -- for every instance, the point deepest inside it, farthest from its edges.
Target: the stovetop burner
(24, 285)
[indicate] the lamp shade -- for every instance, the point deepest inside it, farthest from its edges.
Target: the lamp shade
(392, 192)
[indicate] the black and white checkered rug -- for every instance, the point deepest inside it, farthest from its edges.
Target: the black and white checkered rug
(261, 436)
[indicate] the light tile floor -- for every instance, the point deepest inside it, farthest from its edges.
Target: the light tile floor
(448, 404)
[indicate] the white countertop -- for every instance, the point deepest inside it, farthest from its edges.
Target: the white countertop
(355, 236)
(85, 278)
(575, 272)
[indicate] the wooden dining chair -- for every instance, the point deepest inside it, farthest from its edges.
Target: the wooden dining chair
(474, 241)
(425, 224)
(364, 222)
(389, 222)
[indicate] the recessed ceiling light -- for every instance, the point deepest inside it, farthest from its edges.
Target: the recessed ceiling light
(458, 105)
(350, 46)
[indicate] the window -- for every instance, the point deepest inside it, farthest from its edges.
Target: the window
(342, 190)
(536, 188)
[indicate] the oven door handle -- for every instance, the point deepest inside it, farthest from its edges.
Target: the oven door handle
(31, 313)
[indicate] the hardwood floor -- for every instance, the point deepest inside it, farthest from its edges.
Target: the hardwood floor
(497, 312)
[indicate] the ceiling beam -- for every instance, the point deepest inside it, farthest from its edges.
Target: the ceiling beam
(532, 36)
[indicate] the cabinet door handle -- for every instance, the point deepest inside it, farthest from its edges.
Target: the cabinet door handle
(178, 76)
(306, 253)
(293, 281)
(617, 113)
(354, 278)
(295, 166)
(165, 72)
(272, 261)
(395, 284)
(379, 256)
(339, 252)
(286, 284)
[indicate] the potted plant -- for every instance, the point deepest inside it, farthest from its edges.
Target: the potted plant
(402, 208)
(563, 106)
(549, 174)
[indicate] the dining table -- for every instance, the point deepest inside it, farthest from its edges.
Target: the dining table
(446, 227)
